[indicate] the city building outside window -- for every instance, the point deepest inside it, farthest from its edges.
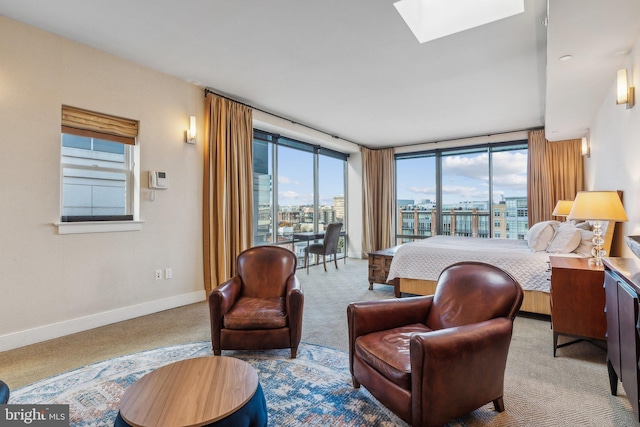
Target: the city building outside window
(298, 188)
(455, 191)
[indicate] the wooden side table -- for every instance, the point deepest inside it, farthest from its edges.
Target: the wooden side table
(577, 300)
(191, 392)
(379, 263)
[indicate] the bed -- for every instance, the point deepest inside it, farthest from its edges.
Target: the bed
(416, 266)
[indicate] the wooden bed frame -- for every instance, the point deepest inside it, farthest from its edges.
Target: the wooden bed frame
(534, 301)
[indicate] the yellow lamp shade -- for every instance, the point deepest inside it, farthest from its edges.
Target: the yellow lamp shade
(563, 207)
(598, 205)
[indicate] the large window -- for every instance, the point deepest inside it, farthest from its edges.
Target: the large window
(298, 187)
(97, 166)
(478, 191)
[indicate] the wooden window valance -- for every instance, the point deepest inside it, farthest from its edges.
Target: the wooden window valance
(80, 122)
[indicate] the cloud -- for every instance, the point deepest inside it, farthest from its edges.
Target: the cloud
(284, 180)
(423, 190)
(465, 193)
(476, 167)
(288, 195)
(292, 198)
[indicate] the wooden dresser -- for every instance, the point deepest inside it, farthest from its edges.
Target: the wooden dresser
(379, 263)
(622, 287)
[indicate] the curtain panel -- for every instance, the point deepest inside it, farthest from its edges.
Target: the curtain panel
(555, 172)
(378, 185)
(228, 187)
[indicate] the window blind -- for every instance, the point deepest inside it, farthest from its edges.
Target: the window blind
(80, 122)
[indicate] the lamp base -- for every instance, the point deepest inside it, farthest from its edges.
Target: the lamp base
(597, 250)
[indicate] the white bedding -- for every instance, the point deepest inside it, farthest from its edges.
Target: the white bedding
(425, 259)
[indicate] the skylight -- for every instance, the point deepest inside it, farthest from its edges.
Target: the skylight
(433, 19)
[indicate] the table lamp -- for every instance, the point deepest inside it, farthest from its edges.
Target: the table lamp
(563, 207)
(598, 206)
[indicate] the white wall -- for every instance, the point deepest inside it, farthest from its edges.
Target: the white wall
(58, 284)
(615, 154)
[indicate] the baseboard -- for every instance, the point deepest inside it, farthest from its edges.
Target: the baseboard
(56, 330)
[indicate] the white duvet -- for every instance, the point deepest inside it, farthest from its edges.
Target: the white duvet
(425, 259)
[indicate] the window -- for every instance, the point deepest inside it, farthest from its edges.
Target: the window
(298, 187)
(454, 192)
(97, 166)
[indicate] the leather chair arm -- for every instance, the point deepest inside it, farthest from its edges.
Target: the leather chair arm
(295, 305)
(221, 299)
(366, 317)
(372, 316)
(445, 362)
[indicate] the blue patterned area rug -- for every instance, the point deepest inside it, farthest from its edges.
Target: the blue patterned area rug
(312, 390)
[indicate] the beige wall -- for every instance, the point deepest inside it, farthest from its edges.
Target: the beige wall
(57, 284)
(614, 163)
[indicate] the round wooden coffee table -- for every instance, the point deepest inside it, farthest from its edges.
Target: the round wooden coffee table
(192, 392)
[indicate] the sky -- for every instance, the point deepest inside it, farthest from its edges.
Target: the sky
(464, 177)
(295, 177)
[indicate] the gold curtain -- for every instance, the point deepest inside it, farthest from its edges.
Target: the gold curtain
(378, 185)
(228, 187)
(555, 172)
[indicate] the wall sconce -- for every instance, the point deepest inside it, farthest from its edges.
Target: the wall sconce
(190, 134)
(586, 149)
(625, 94)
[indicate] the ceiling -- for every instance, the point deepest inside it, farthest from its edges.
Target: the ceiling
(353, 69)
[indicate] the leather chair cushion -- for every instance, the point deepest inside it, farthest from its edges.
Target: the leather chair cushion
(388, 352)
(257, 313)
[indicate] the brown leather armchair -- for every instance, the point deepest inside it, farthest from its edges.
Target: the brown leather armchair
(260, 307)
(431, 359)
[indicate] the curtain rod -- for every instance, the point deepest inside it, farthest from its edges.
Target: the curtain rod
(466, 137)
(211, 91)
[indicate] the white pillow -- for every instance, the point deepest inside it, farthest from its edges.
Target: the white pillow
(540, 234)
(565, 240)
(586, 243)
(584, 226)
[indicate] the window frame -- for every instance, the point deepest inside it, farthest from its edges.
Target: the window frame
(442, 226)
(127, 170)
(277, 140)
(84, 123)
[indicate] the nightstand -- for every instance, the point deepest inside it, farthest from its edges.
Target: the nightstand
(577, 301)
(379, 263)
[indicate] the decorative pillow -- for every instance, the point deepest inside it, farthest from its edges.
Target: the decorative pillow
(564, 241)
(586, 243)
(540, 234)
(584, 226)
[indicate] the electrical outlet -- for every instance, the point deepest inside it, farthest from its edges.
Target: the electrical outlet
(168, 273)
(158, 274)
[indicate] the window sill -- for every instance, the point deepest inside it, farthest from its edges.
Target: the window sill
(97, 227)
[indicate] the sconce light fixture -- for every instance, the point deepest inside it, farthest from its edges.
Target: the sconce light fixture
(625, 94)
(190, 134)
(586, 149)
